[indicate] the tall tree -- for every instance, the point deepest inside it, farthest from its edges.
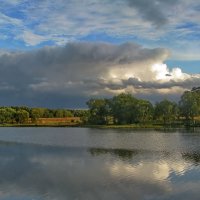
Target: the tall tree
(98, 111)
(190, 104)
(36, 113)
(124, 108)
(22, 116)
(144, 111)
(7, 115)
(166, 111)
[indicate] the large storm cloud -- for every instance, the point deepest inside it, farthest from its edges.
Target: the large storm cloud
(83, 69)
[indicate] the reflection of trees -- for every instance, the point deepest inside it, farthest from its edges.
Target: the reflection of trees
(168, 130)
(195, 130)
(123, 154)
(187, 130)
(193, 157)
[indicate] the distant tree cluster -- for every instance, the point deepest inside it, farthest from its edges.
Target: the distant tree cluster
(126, 109)
(25, 114)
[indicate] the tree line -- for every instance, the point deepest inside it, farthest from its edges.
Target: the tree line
(121, 109)
(126, 109)
(25, 114)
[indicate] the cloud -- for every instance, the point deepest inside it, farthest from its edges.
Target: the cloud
(30, 38)
(83, 69)
(153, 11)
(154, 23)
(12, 2)
(6, 20)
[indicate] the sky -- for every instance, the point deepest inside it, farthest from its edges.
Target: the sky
(62, 53)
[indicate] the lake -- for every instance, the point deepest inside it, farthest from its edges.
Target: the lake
(99, 164)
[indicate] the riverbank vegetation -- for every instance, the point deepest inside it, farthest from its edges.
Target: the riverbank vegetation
(25, 116)
(125, 109)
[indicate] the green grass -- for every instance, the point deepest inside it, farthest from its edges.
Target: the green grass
(111, 126)
(128, 126)
(38, 125)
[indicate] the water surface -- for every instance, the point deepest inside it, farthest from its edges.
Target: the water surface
(90, 164)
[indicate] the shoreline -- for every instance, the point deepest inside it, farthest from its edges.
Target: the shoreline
(129, 126)
(36, 125)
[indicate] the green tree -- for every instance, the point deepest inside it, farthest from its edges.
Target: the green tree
(36, 113)
(21, 116)
(59, 113)
(166, 111)
(144, 111)
(124, 109)
(98, 111)
(48, 113)
(190, 104)
(7, 115)
(83, 114)
(67, 113)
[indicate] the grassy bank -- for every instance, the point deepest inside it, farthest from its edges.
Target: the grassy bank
(111, 126)
(38, 125)
(130, 126)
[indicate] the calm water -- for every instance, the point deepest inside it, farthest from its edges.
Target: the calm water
(92, 164)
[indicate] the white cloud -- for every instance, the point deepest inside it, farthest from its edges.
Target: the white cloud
(148, 171)
(155, 23)
(5, 20)
(162, 73)
(30, 38)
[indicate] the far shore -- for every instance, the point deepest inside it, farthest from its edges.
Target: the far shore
(38, 125)
(112, 126)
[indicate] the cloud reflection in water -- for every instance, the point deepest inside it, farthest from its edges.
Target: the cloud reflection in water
(45, 172)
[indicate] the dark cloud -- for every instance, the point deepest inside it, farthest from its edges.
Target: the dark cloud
(154, 11)
(69, 75)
